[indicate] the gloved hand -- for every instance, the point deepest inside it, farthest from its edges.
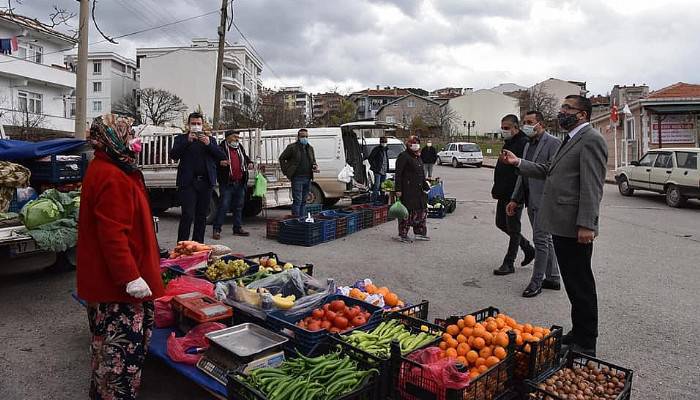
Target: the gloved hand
(138, 288)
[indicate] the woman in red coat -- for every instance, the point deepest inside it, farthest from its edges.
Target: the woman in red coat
(118, 260)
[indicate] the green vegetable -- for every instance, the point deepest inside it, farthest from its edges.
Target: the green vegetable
(39, 212)
(378, 341)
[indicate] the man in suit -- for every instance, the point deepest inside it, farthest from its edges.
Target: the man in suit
(504, 178)
(233, 183)
(198, 156)
(570, 211)
(540, 149)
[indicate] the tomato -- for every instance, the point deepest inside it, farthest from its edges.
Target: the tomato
(340, 322)
(337, 305)
(353, 312)
(326, 325)
(333, 329)
(366, 315)
(330, 316)
(359, 321)
(318, 313)
(314, 326)
(326, 307)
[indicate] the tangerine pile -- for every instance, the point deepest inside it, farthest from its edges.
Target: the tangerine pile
(481, 345)
(390, 298)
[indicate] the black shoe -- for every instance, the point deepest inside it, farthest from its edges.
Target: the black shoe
(532, 290)
(241, 232)
(504, 270)
(529, 256)
(216, 235)
(580, 349)
(568, 339)
(551, 285)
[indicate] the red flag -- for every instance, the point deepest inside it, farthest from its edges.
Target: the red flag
(13, 41)
(613, 113)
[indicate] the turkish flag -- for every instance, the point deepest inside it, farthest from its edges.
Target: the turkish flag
(613, 114)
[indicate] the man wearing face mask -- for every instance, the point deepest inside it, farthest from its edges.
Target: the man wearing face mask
(541, 149)
(504, 178)
(429, 157)
(570, 211)
(379, 164)
(233, 183)
(198, 157)
(298, 163)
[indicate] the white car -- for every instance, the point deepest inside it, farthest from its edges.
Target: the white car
(394, 148)
(461, 153)
(673, 172)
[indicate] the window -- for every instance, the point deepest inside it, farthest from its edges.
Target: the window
(31, 52)
(453, 147)
(390, 119)
(96, 87)
(72, 109)
(97, 106)
(468, 148)
(30, 102)
(411, 104)
(648, 159)
(396, 104)
(687, 160)
(664, 160)
(629, 127)
(97, 68)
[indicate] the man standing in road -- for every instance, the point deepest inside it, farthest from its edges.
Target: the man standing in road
(298, 163)
(379, 165)
(233, 183)
(570, 211)
(429, 156)
(540, 149)
(504, 178)
(198, 156)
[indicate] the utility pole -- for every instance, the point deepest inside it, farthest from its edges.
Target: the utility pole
(81, 77)
(220, 64)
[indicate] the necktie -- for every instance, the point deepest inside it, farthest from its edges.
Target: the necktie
(566, 139)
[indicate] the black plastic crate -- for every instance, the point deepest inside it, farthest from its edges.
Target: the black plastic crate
(573, 359)
(300, 233)
(418, 311)
(58, 171)
(366, 215)
(437, 212)
(312, 209)
(450, 204)
(542, 356)
(305, 268)
(272, 225)
(341, 222)
(238, 389)
(328, 227)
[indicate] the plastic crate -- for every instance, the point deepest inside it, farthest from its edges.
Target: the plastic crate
(418, 311)
(273, 226)
(341, 222)
(305, 268)
(238, 389)
(354, 220)
(381, 214)
(312, 209)
(366, 215)
(574, 359)
(450, 204)
(437, 212)
(58, 171)
(328, 227)
(542, 357)
(305, 340)
(298, 232)
(436, 191)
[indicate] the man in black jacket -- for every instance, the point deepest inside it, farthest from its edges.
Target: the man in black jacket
(298, 163)
(379, 164)
(429, 156)
(504, 179)
(233, 183)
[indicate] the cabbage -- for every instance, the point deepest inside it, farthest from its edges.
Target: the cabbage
(39, 212)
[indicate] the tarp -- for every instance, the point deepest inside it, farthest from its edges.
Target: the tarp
(11, 150)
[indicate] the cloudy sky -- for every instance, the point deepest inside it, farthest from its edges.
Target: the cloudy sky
(354, 44)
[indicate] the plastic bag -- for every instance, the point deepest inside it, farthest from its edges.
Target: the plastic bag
(164, 314)
(260, 185)
(177, 346)
(346, 174)
(443, 371)
(187, 264)
(187, 284)
(398, 210)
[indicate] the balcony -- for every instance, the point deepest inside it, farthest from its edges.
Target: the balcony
(231, 61)
(230, 81)
(20, 69)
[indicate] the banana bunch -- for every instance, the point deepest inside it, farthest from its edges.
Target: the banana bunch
(283, 303)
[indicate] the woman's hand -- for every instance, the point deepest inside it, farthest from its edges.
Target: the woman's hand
(138, 288)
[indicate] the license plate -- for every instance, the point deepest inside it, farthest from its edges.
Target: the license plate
(20, 248)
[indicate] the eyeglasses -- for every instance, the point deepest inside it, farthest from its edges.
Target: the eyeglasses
(567, 107)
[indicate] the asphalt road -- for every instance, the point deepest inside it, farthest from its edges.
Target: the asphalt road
(646, 265)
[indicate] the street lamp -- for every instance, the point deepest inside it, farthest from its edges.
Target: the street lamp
(469, 126)
(465, 126)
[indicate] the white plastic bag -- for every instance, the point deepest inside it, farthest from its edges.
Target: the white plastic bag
(346, 174)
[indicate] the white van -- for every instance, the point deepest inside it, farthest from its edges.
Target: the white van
(394, 148)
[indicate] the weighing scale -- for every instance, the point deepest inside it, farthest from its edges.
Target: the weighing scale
(241, 348)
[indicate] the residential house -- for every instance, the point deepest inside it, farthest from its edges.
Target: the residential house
(411, 111)
(369, 101)
(485, 108)
(448, 92)
(35, 87)
(110, 78)
(324, 105)
(506, 88)
(295, 98)
(190, 73)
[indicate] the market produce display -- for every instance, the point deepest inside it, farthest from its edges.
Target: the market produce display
(584, 382)
(187, 248)
(436, 203)
(270, 264)
(335, 317)
(324, 377)
(368, 292)
(388, 185)
(378, 341)
(224, 270)
(248, 279)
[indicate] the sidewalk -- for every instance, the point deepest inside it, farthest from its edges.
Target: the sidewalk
(490, 162)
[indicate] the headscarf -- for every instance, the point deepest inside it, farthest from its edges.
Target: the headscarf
(114, 135)
(413, 139)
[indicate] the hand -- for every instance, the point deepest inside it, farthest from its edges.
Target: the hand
(224, 163)
(316, 168)
(191, 137)
(204, 139)
(507, 157)
(251, 166)
(511, 208)
(138, 288)
(585, 235)
(398, 194)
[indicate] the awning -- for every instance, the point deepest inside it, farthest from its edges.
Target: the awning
(673, 108)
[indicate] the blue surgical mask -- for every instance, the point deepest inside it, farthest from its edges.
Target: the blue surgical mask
(304, 140)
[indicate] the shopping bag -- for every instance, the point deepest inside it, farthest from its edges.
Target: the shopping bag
(346, 174)
(260, 185)
(398, 210)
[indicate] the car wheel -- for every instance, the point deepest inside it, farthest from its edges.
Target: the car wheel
(674, 198)
(315, 195)
(455, 163)
(478, 165)
(624, 187)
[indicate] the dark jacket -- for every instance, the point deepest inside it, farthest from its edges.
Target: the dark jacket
(291, 158)
(185, 167)
(505, 176)
(428, 155)
(410, 181)
(375, 159)
(224, 173)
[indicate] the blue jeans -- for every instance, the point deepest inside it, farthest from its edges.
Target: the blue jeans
(230, 195)
(377, 186)
(300, 190)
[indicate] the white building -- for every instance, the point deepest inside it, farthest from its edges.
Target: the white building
(35, 86)
(559, 89)
(110, 77)
(190, 73)
(486, 108)
(508, 88)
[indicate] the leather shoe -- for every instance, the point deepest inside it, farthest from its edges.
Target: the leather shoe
(529, 256)
(568, 339)
(504, 270)
(216, 235)
(241, 232)
(580, 349)
(532, 290)
(550, 284)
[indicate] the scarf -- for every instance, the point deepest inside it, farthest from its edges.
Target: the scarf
(114, 135)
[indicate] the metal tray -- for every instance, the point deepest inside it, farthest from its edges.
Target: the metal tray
(245, 340)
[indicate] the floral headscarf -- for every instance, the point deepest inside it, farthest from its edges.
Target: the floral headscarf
(114, 135)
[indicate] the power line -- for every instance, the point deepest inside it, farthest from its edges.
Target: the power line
(256, 51)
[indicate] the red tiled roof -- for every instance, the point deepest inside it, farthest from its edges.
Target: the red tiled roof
(384, 92)
(677, 90)
(598, 100)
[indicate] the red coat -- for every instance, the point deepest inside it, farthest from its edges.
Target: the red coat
(116, 239)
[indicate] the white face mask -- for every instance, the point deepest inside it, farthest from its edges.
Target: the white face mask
(195, 128)
(383, 144)
(506, 134)
(430, 144)
(415, 147)
(233, 144)
(529, 130)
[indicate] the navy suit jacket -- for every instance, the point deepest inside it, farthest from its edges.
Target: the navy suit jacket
(185, 168)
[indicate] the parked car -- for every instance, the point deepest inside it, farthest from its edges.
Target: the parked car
(394, 148)
(673, 172)
(461, 153)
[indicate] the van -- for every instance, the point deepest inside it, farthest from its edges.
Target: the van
(394, 148)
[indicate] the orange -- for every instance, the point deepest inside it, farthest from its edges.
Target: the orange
(391, 299)
(470, 340)
(518, 340)
(527, 337)
(383, 291)
(511, 322)
(527, 348)
(453, 330)
(479, 331)
(356, 293)
(371, 289)
(473, 374)
(533, 339)
(467, 331)
(491, 326)
(501, 339)
(462, 360)
(460, 323)
(546, 332)
(479, 343)
(482, 369)
(480, 361)
(443, 346)
(469, 321)
(462, 349)
(472, 356)
(452, 343)
(500, 352)
(491, 361)
(461, 339)
(451, 353)
(500, 323)
(489, 319)
(538, 335)
(488, 337)
(527, 328)
(485, 352)
(446, 337)
(536, 329)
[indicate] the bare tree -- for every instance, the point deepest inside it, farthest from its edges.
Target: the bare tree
(443, 118)
(235, 117)
(274, 114)
(540, 100)
(347, 113)
(160, 106)
(128, 106)
(59, 15)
